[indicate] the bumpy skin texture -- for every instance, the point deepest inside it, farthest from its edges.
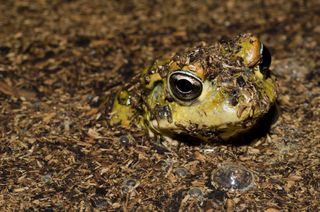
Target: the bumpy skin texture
(211, 92)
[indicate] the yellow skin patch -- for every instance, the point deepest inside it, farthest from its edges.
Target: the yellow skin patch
(210, 92)
(122, 112)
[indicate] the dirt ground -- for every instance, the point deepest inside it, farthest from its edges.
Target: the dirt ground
(57, 60)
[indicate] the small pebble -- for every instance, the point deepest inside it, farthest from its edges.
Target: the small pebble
(129, 185)
(47, 179)
(196, 193)
(232, 177)
(181, 172)
(124, 140)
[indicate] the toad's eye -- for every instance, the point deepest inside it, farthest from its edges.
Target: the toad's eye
(184, 86)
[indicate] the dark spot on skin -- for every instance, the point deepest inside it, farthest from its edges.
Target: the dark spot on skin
(234, 95)
(240, 61)
(169, 98)
(162, 112)
(248, 71)
(147, 79)
(151, 71)
(176, 57)
(240, 81)
(196, 54)
(163, 70)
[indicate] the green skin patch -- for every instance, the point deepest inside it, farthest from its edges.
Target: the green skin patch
(209, 92)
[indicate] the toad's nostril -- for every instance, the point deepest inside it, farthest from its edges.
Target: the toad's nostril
(234, 96)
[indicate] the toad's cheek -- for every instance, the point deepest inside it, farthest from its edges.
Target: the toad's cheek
(213, 114)
(205, 115)
(211, 110)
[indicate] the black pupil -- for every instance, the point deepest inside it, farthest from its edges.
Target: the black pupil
(184, 86)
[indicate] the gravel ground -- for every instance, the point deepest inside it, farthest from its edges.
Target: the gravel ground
(59, 58)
